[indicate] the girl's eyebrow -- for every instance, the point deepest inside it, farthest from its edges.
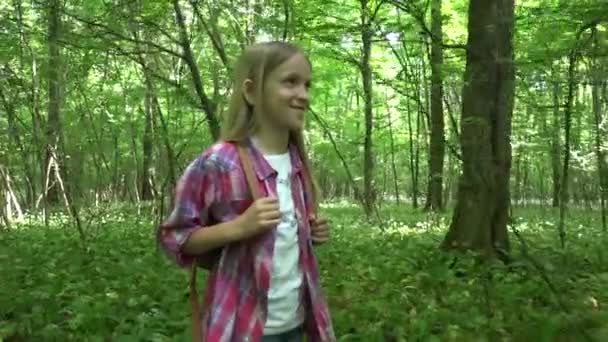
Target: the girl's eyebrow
(289, 74)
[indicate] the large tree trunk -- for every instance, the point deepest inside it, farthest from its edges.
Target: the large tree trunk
(437, 147)
(480, 218)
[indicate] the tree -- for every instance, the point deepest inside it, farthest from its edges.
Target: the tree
(53, 126)
(366, 76)
(479, 221)
(437, 146)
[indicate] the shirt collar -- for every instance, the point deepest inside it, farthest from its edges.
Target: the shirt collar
(262, 168)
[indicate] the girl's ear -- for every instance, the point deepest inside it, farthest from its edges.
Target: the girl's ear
(249, 92)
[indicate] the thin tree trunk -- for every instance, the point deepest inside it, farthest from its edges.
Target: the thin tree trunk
(382, 195)
(152, 107)
(555, 144)
(602, 157)
(146, 190)
(392, 142)
(15, 144)
(351, 179)
(287, 9)
(437, 145)
(419, 126)
(5, 205)
(366, 74)
(53, 127)
(147, 142)
(206, 104)
(517, 169)
(212, 31)
(524, 187)
(69, 204)
(572, 61)
(412, 157)
(35, 151)
(172, 178)
(11, 198)
(251, 26)
(542, 188)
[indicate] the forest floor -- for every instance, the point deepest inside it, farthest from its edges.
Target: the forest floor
(391, 285)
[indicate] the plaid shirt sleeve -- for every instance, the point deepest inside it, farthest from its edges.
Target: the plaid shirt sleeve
(194, 194)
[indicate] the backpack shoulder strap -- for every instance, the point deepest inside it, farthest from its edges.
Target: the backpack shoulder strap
(249, 172)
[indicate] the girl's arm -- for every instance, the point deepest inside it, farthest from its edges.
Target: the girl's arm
(187, 232)
(194, 194)
(212, 237)
(261, 215)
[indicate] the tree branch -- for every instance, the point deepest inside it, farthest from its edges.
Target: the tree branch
(107, 30)
(216, 40)
(407, 7)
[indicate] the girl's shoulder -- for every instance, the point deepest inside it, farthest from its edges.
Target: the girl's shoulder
(221, 156)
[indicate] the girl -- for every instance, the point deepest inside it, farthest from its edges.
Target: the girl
(265, 286)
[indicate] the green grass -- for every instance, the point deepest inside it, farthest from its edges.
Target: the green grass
(391, 286)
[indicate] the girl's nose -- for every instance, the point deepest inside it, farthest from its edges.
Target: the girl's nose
(303, 93)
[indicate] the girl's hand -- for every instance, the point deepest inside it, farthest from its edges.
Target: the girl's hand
(262, 215)
(319, 230)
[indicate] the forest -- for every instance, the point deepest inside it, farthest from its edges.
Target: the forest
(460, 147)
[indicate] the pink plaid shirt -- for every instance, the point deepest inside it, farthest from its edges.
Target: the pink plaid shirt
(214, 189)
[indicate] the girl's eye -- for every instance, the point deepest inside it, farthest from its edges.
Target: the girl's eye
(290, 81)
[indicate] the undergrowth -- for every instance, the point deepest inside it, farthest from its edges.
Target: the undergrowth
(384, 282)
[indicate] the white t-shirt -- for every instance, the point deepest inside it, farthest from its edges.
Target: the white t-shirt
(286, 277)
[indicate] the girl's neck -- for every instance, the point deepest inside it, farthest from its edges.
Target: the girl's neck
(271, 140)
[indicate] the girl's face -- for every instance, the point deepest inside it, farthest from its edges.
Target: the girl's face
(286, 95)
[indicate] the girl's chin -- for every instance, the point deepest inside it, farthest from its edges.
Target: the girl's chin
(296, 128)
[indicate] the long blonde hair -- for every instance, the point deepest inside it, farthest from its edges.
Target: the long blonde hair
(239, 121)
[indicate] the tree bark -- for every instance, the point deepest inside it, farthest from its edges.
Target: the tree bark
(564, 195)
(366, 74)
(146, 189)
(437, 146)
(555, 144)
(11, 203)
(413, 156)
(392, 151)
(602, 157)
(479, 222)
(53, 127)
(35, 152)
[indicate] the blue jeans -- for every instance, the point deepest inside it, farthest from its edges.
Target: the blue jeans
(295, 335)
